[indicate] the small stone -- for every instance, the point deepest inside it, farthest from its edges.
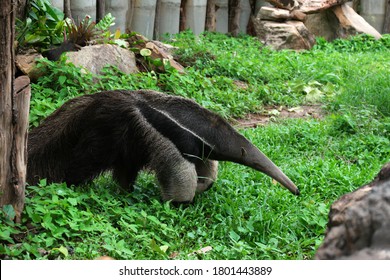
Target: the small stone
(27, 63)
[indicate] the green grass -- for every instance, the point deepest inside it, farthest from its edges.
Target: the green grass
(245, 215)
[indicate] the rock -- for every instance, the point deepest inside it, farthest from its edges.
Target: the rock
(315, 6)
(330, 19)
(163, 52)
(284, 4)
(94, 58)
(275, 14)
(339, 22)
(284, 35)
(359, 223)
(307, 6)
(158, 50)
(27, 63)
(323, 25)
(351, 23)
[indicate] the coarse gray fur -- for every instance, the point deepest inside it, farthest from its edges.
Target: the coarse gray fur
(127, 131)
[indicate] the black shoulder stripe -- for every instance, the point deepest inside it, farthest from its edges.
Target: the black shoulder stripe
(190, 144)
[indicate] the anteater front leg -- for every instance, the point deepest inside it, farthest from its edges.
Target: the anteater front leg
(207, 171)
(178, 181)
(176, 175)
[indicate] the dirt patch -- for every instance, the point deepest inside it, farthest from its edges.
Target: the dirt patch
(278, 113)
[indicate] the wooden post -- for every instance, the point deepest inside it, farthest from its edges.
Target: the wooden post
(386, 23)
(234, 17)
(14, 108)
(67, 12)
(250, 29)
(100, 9)
(211, 19)
(183, 21)
(156, 29)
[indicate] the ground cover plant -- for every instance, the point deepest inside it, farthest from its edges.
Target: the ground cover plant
(245, 215)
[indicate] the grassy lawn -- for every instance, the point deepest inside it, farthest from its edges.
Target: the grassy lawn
(245, 215)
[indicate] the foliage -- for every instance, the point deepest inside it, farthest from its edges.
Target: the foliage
(83, 33)
(46, 27)
(245, 215)
(359, 43)
(43, 26)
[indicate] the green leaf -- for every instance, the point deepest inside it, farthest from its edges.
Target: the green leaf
(120, 42)
(47, 219)
(62, 79)
(164, 248)
(9, 211)
(234, 236)
(106, 22)
(158, 249)
(63, 250)
(6, 236)
(145, 52)
(154, 220)
(72, 201)
(54, 13)
(33, 38)
(35, 217)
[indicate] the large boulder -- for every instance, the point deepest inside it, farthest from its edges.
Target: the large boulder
(94, 58)
(359, 223)
(290, 34)
(339, 22)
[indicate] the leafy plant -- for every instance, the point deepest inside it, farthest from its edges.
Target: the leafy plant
(83, 33)
(43, 27)
(359, 43)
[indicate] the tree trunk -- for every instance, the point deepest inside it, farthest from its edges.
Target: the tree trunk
(386, 23)
(157, 16)
(14, 106)
(183, 22)
(250, 29)
(67, 12)
(211, 18)
(100, 9)
(21, 9)
(234, 17)
(130, 15)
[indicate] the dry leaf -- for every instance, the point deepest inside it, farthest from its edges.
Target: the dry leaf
(202, 250)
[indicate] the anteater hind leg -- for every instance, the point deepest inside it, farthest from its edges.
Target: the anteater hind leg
(207, 172)
(125, 175)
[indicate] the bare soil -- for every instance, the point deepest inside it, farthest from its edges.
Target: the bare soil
(279, 113)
